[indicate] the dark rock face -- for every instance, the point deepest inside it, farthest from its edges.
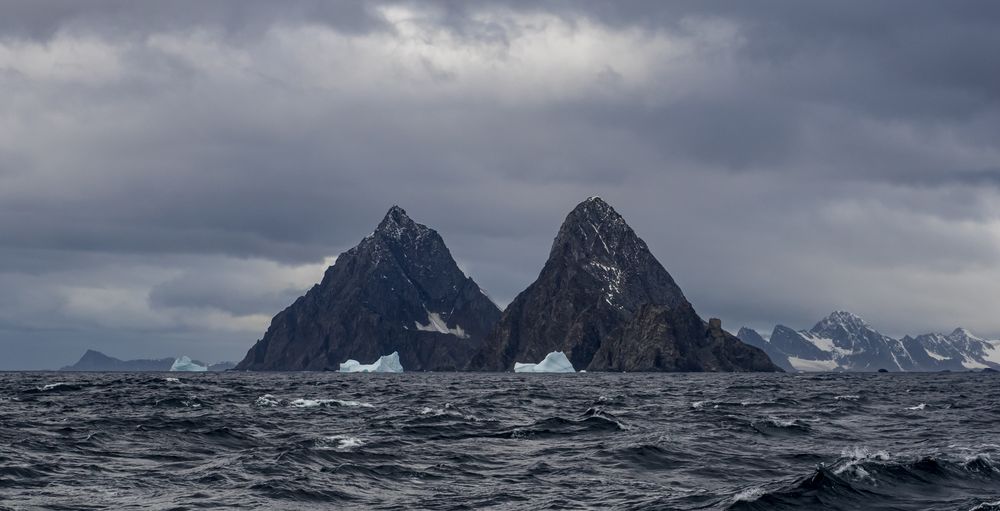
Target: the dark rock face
(398, 290)
(662, 338)
(608, 304)
(751, 337)
(788, 341)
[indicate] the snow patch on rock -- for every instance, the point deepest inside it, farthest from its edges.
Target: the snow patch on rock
(437, 324)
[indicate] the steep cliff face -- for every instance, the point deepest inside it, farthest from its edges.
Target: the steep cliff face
(604, 300)
(662, 338)
(398, 290)
(751, 337)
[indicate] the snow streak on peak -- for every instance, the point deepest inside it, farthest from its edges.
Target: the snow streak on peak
(598, 231)
(595, 208)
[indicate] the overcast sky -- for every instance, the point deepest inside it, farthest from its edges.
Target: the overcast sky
(172, 174)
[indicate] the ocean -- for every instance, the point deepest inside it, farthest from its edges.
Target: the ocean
(80, 441)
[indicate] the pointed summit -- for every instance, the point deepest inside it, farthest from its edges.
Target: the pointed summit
(963, 334)
(397, 224)
(596, 241)
(593, 229)
(605, 301)
(399, 290)
(841, 320)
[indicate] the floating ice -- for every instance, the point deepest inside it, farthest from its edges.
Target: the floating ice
(386, 364)
(555, 362)
(185, 364)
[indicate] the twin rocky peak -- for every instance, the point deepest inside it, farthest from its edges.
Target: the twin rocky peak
(601, 298)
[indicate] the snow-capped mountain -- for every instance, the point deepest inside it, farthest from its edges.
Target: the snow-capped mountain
(959, 350)
(604, 300)
(399, 290)
(844, 342)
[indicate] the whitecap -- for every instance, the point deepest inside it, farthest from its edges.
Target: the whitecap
(172, 380)
(921, 406)
(267, 400)
(344, 442)
(310, 403)
(855, 456)
(850, 397)
(52, 386)
(783, 423)
(864, 453)
(749, 495)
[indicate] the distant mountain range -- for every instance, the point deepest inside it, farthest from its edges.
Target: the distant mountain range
(601, 298)
(844, 342)
(96, 361)
(602, 301)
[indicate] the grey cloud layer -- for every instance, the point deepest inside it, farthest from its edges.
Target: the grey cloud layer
(172, 174)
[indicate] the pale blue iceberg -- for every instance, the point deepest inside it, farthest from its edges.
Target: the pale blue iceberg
(185, 364)
(555, 362)
(386, 364)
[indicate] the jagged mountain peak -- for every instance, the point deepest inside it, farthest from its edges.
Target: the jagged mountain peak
(841, 319)
(963, 334)
(594, 232)
(397, 223)
(594, 240)
(597, 213)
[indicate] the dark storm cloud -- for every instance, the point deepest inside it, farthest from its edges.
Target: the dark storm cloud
(173, 174)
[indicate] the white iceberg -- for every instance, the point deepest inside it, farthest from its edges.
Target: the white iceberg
(386, 364)
(185, 364)
(555, 362)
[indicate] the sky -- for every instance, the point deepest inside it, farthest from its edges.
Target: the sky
(172, 174)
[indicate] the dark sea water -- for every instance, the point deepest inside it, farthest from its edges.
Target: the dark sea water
(467, 441)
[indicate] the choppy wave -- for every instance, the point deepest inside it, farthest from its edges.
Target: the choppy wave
(872, 479)
(467, 441)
